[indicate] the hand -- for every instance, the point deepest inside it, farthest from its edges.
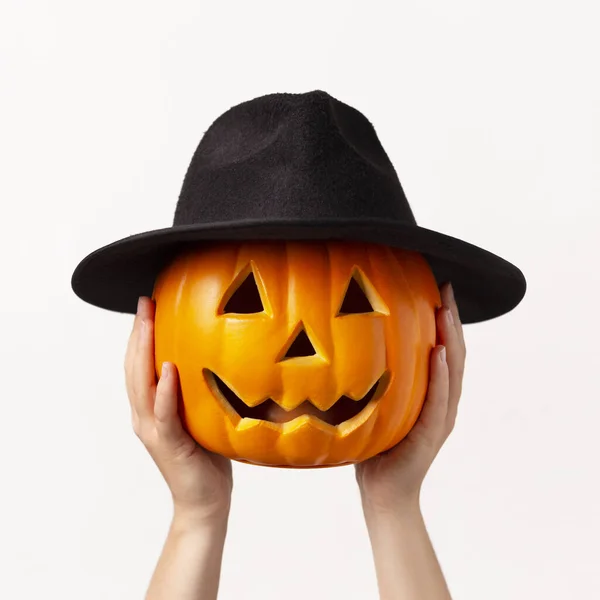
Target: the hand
(200, 481)
(396, 476)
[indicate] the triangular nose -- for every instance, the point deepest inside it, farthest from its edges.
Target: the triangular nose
(300, 345)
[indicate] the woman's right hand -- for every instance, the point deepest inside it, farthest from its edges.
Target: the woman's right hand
(200, 481)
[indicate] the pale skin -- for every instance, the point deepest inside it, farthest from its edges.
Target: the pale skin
(201, 482)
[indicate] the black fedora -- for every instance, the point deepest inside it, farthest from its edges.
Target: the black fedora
(295, 167)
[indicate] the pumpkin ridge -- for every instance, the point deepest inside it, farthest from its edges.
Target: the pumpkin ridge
(284, 302)
(416, 318)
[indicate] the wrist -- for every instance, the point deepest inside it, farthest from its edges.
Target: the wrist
(388, 498)
(190, 520)
(401, 511)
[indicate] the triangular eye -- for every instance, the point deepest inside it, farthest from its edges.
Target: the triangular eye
(246, 298)
(355, 300)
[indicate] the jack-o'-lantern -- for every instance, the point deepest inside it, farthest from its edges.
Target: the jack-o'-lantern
(298, 354)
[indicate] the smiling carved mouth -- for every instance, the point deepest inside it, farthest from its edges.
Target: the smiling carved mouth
(344, 409)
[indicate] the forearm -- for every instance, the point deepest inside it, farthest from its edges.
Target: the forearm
(189, 567)
(405, 562)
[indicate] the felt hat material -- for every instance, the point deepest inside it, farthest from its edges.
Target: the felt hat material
(295, 167)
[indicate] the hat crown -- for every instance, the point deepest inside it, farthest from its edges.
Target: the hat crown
(291, 157)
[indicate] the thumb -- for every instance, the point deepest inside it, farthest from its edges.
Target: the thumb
(167, 419)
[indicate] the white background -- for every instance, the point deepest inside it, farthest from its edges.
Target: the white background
(490, 112)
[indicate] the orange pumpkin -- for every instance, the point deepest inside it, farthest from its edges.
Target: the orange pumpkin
(299, 354)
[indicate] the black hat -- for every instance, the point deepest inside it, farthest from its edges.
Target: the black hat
(295, 167)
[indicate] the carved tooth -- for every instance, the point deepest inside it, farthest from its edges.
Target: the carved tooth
(248, 424)
(354, 435)
(303, 439)
(255, 438)
(290, 400)
(347, 427)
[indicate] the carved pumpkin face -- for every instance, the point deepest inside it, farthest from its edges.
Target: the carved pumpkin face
(295, 353)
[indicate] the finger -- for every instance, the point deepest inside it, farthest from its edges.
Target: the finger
(432, 420)
(130, 357)
(167, 419)
(133, 340)
(448, 299)
(455, 359)
(143, 373)
(146, 308)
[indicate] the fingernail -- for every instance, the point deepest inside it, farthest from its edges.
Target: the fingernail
(443, 354)
(451, 291)
(164, 373)
(449, 316)
(139, 304)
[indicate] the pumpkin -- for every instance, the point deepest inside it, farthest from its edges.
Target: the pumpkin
(297, 354)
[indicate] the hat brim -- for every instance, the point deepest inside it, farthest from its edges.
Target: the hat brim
(485, 285)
